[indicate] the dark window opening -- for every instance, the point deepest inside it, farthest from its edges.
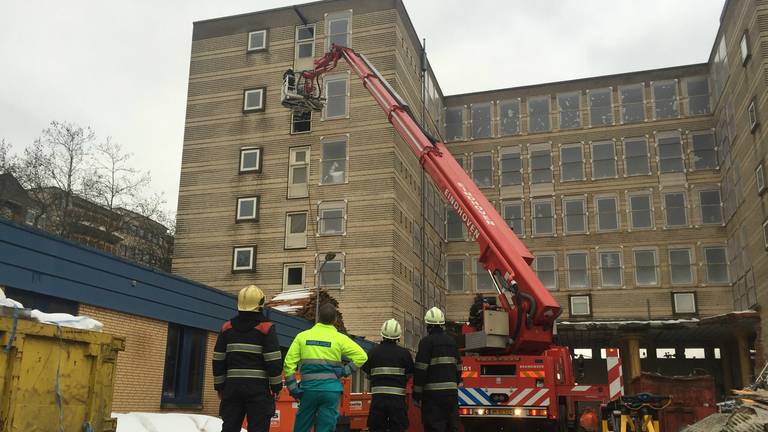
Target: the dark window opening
(184, 367)
(301, 122)
(41, 302)
(500, 370)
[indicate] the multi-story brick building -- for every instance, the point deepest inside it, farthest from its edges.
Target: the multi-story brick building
(641, 194)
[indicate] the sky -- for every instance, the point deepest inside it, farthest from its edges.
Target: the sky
(122, 67)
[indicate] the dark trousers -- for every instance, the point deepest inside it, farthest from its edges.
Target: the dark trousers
(239, 400)
(388, 413)
(440, 412)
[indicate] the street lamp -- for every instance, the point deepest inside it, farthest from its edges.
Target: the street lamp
(328, 257)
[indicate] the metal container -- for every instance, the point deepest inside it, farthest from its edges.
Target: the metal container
(693, 397)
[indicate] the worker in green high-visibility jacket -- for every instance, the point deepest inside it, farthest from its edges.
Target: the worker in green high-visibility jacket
(317, 354)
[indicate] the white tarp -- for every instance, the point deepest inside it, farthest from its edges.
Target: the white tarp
(153, 422)
(4, 301)
(61, 319)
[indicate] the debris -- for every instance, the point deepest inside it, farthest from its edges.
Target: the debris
(301, 303)
(154, 422)
(750, 414)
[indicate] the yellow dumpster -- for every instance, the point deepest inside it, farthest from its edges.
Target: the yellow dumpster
(55, 378)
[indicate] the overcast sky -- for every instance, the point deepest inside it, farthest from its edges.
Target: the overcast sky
(122, 67)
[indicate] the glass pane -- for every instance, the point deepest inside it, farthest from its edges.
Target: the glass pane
(513, 215)
(298, 223)
(338, 26)
(172, 361)
(243, 258)
(675, 207)
(483, 279)
(509, 116)
(607, 216)
(481, 121)
(577, 271)
(670, 155)
(331, 274)
(542, 218)
(305, 33)
(482, 172)
(295, 275)
(665, 99)
(711, 212)
(704, 155)
(579, 305)
(332, 221)
(572, 164)
(541, 164)
(250, 159)
(299, 175)
(306, 50)
(253, 99)
(680, 263)
(195, 353)
(455, 226)
(641, 213)
(698, 96)
(455, 275)
(570, 114)
(510, 169)
(574, 216)
(600, 107)
(538, 114)
(610, 264)
(632, 105)
(256, 40)
(247, 208)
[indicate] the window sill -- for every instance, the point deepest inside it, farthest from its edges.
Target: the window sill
(248, 220)
(252, 110)
(251, 270)
(250, 171)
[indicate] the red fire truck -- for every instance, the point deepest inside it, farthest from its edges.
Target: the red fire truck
(512, 371)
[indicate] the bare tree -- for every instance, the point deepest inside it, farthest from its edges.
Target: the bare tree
(116, 183)
(5, 156)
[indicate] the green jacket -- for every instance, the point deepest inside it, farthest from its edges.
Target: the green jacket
(317, 354)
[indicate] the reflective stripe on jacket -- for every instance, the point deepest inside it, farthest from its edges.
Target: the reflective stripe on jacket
(388, 367)
(438, 364)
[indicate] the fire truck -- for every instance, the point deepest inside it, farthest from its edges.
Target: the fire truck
(513, 373)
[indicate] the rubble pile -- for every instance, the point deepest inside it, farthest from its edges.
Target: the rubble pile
(302, 304)
(750, 414)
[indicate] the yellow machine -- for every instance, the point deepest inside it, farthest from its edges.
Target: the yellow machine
(637, 413)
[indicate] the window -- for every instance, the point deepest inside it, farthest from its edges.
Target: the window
(253, 100)
(670, 152)
(545, 267)
(337, 93)
(541, 164)
(720, 68)
(645, 267)
(697, 89)
(257, 40)
(543, 218)
(483, 281)
(509, 117)
(455, 226)
(338, 29)
(301, 122)
(632, 103)
(293, 276)
(250, 160)
(332, 218)
(571, 163)
(513, 215)
(704, 153)
(675, 207)
(600, 106)
(574, 215)
(248, 209)
(570, 110)
(580, 305)
(636, 157)
(765, 236)
(538, 114)
(746, 53)
(711, 211)
(333, 165)
(455, 274)
(331, 275)
(680, 266)
(305, 41)
(753, 120)
(511, 166)
(607, 213)
(760, 178)
(665, 99)
(184, 367)
(481, 120)
(243, 258)
(610, 269)
(296, 230)
(454, 123)
(641, 214)
(482, 170)
(603, 160)
(298, 172)
(717, 264)
(578, 273)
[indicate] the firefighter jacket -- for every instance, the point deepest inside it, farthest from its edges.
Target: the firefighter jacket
(247, 351)
(388, 366)
(317, 355)
(438, 365)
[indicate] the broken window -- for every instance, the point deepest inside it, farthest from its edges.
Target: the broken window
(575, 215)
(301, 122)
(645, 267)
(569, 105)
(607, 214)
(481, 120)
(641, 214)
(676, 209)
(482, 170)
(571, 163)
(541, 166)
(334, 161)
(665, 99)
(578, 274)
(509, 117)
(603, 160)
(336, 93)
(513, 215)
(511, 166)
(610, 269)
(293, 276)
(543, 218)
(681, 270)
(454, 123)
(600, 107)
(544, 264)
(538, 114)
(632, 103)
(636, 157)
(704, 153)
(697, 90)
(670, 152)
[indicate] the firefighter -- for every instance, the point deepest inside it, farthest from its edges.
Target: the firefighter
(319, 351)
(247, 365)
(437, 376)
(388, 367)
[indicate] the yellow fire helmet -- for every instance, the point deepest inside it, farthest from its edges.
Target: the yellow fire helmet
(434, 316)
(250, 299)
(391, 329)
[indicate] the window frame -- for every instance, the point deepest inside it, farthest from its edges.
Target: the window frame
(655, 253)
(726, 263)
(754, 121)
(286, 267)
(660, 158)
(463, 273)
(562, 164)
(262, 99)
(548, 118)
(666, 208)
(293, 123)
(692, 143)
(264, 47)
(624, 142)
(341, 258)
(478, 269)
(579, 121)
(294, 188)
(185, 341)
(572, 297)
(259, 160)
(587, 270)
(489, 155)
(298, 237)
(448, 237)
(760, 178)
(534, 232)
(589, 106)
(251, 267)
(334, 139)
(257, 204)
(342, 76)
(691, 264)
(642, 103)
(745, 50)
(675, 103)
(688, 95)
(618, 252)
(299, 42)
(510, 150)
(585, 215)
(675, 309)
(701, 207)
(501, 104)
(337, 16)
(482, 105)
(617, 212)
(552, 255)
(630, 210)
(540, 148)
(514, 203)
(323, 206)
(592, 146)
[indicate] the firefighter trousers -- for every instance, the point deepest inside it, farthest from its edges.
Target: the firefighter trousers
(388, 413)
(239, 400)
(440, 412)
(320, 408)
